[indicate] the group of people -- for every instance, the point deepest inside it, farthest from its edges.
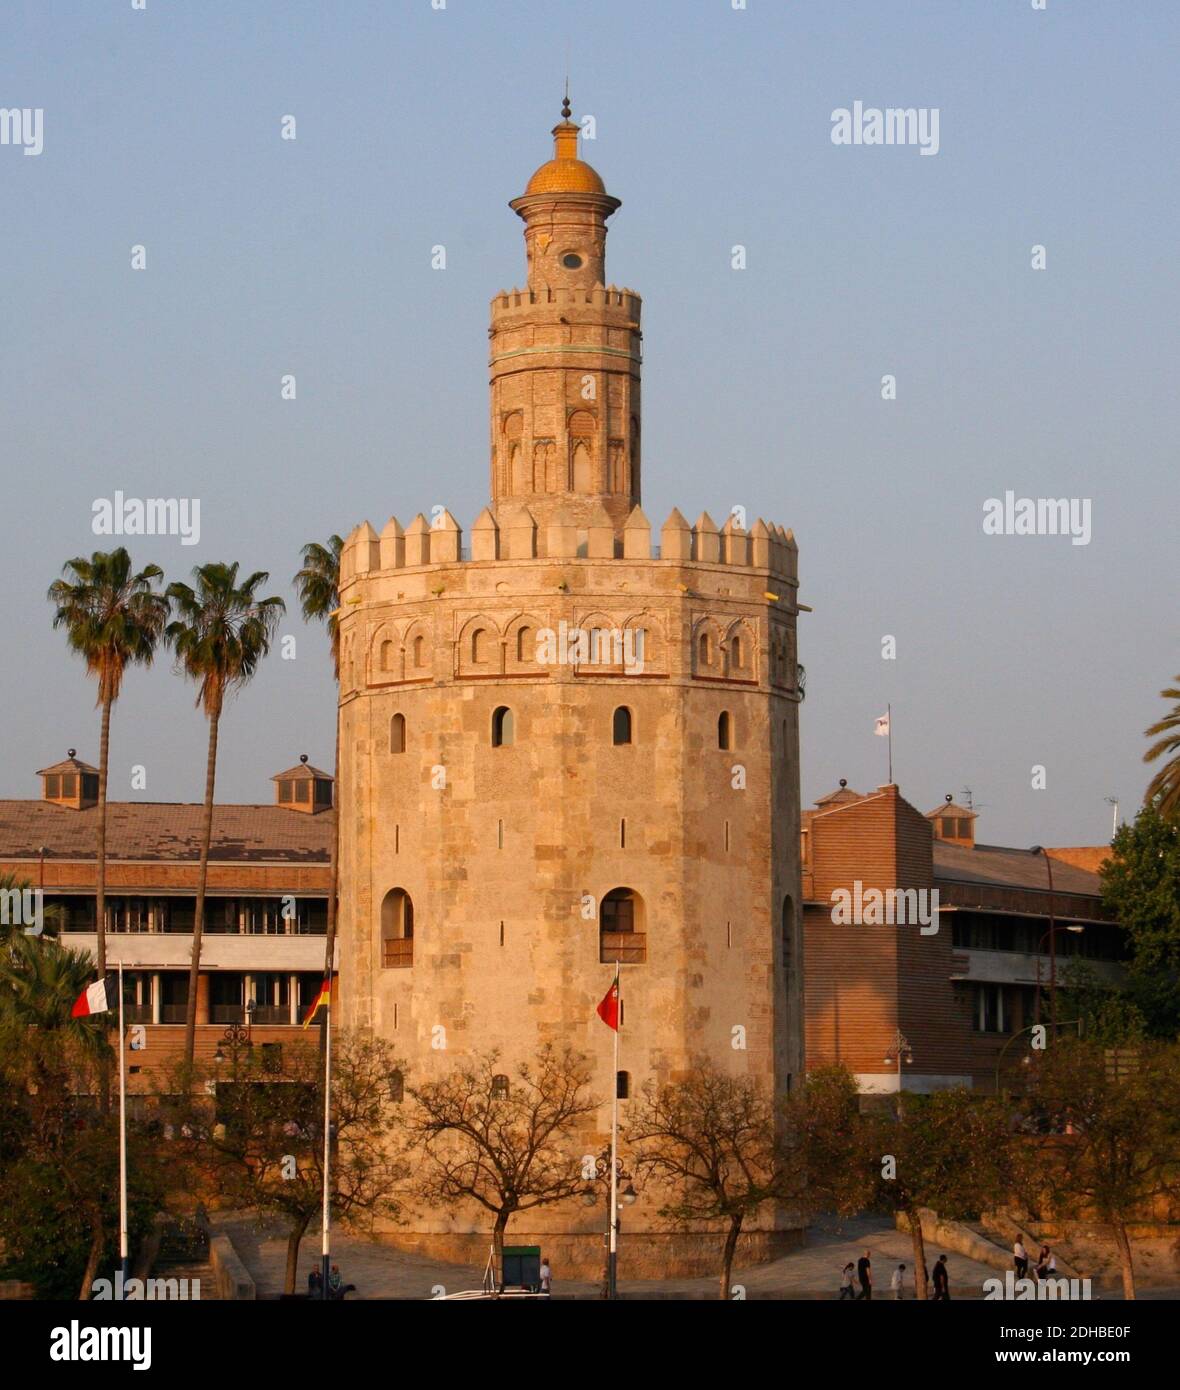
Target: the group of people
(862, 1273)
(1045, 1267)
(337, 1288)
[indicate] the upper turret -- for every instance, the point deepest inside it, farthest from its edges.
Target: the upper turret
(565, 207)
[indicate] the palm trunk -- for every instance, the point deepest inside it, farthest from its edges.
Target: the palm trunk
(919, 1243)
(294, 1236)
(100, 885)
(190, 1022)
(1125, 1262)
(333, 880)
(731, 1240)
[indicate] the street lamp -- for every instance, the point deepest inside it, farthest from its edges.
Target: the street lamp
(899, 1051)
(628, 1195)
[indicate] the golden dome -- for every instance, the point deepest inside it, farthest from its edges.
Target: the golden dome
(565, 172)
(565, 176)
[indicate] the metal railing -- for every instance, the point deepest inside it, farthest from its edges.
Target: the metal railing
(626, 947)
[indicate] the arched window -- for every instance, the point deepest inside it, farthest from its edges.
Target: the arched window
(419, 651)
(397, 734)
(621, 730)
(387, 656)
(623, 1085)
(479, 644)
(703, 648)
(621, 928)
(397, 929)
(735, 650)
(499, 1086)
(525, 646)
(397, 1087)
(502, 728)
(724, 730)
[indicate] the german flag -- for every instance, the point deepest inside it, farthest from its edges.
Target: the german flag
(322, 1000)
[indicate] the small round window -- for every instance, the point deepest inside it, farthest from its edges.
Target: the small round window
(571, 261)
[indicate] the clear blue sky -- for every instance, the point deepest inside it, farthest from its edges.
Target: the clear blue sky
(761, 387)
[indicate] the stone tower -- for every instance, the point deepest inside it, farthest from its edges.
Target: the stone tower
(564, 746)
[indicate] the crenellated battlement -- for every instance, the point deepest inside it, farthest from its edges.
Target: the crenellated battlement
(597, 296)
(516, 536)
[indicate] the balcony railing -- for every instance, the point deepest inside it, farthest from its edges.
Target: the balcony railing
(397, 953)
(227, 1013)
(627, 947)
(270, 1013)
(173, 1013)
(137, 1013)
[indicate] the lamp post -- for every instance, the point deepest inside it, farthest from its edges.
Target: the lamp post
(602, 1174)
(899, 1050)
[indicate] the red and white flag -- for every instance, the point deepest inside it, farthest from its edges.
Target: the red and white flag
(97, 998)
(608, 1010)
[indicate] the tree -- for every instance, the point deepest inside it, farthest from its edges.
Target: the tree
(951, 1151)
(58, 1157)
(318, 586)
(500, 1141)
(113, 619)
(1141, 888)
(712, 1141)
(221, 632)
(830, 1144)
(264, 1136)
(11, 923)
(1111, 1122)
(1164, 790)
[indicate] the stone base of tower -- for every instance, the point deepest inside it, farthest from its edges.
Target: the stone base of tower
(580, 1255)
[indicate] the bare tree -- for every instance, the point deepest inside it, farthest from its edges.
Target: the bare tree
(714, 1143)
(502, 1141)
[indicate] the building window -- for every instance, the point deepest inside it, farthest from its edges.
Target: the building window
(623, 1085)
(502, 728)
(703, 648)
(622, 936)
(397, 930)
(387, 656)
(621, 730)
(990, 1013)
(397, 1087)
(286, 792)
(735, 651)
(525, 648)
(397, 734)
(419, 651)
(479, 645)
(499, 1086)
(724, 731)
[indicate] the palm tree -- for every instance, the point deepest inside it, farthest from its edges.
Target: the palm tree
(39, 981)
(113, 619)
(221, 632)
(54, 917)
(318, 586)
(1166, 782)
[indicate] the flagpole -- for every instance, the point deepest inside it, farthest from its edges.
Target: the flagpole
(613, 1257)
(327, 1137)
(889, 723)
(123, 1255)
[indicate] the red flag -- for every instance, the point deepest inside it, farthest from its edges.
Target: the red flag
(608, 1010)
(97, 998)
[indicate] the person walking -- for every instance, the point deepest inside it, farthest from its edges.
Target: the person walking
(897, 1283)
(942, 1289)
(864, 1275)
(846, 1282)
(1020, 1258)
(546, 1278)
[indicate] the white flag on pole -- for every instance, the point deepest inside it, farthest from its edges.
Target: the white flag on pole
(881, 727)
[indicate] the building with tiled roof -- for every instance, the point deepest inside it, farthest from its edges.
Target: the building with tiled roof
(262, 953)
(966, 986)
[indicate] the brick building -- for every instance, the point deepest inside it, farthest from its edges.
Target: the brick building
(960, 988)
(262, 951)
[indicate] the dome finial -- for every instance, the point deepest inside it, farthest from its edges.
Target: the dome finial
(565, 105)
